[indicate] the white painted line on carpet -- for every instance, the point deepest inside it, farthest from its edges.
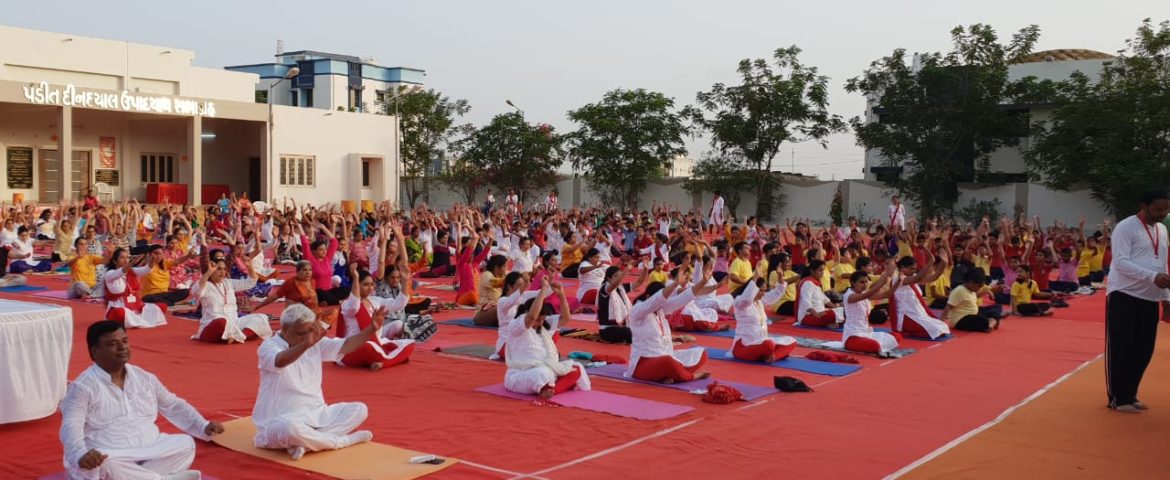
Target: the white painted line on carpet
(617, 448)
(498, 470)
(834, 379)
(230, 415)
(953, 443)
(752, 405)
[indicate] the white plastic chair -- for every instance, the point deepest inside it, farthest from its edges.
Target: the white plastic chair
(105, 192)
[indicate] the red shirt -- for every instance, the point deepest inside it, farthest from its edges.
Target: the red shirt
(919, 255)
(1040, 272)
(797, 254)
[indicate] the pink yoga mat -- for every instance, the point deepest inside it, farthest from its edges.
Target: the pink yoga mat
(750, 392)
(603, 402)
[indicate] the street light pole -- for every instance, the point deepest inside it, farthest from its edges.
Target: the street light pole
(398, 135)
(292, 73)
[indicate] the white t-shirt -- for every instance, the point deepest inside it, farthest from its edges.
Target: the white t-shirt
(591, 280)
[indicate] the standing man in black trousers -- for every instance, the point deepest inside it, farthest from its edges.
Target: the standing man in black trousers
(1138, 281)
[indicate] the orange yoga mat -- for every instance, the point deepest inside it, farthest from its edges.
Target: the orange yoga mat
(1069, 433)
(363, 461)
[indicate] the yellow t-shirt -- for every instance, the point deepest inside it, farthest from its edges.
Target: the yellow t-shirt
(1022, 292)
(572, 258)
(827, 277)
(963, 302)
(657, 276)
(1091, 260)
(937, 290)
(740, 268)
(158, 280)
(84, 270)
(982, 263)
(842, 272)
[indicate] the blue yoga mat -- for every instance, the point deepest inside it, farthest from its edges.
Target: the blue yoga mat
(880, 329)
(723, 333)
(466, 322)
(793, 363)
(22, 288)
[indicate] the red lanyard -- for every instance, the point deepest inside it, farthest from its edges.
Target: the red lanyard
(894, 215)
(1155, 237)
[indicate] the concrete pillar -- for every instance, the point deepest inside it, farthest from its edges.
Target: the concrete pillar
(195, 157)
(267, 168)
(65, 152)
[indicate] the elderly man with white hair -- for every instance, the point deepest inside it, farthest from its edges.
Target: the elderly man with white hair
(290, 411)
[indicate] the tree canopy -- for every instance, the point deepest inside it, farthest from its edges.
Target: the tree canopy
(1112, 133)
(774, 103)
(514, 154)
(428, 128)
(936, 118)
(624, 141)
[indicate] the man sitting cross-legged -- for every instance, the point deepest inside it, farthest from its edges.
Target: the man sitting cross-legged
(108, 417)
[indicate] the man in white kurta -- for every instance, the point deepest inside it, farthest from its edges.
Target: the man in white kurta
(897, 213)
(716, 220)
(108, 417)
(290, 411)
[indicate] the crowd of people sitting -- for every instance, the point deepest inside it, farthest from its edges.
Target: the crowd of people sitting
(643, 275)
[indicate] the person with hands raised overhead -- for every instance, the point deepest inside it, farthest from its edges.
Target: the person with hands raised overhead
(534, 364)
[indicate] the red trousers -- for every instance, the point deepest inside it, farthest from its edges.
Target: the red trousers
(368, 354)
(214, 332)
(657, 369)
(911, 328)
(567, 381)
(119, 314)
(867, 345)
(761, 351)
(589, 298)
(686, 323)
(823, 319)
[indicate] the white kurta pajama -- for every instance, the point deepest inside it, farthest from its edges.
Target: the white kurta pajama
(506, 313)
(218, 301)
(533, 360)
(120, 423)
(290, 407)
(150, 315)
(812, 297)
(651, 332)
(717, 212)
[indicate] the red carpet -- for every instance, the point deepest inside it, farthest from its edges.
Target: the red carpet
(865, 425)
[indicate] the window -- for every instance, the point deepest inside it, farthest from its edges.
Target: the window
(158, 168)
(308, 93)
(365, 173)
(297, 171)
(261, 96)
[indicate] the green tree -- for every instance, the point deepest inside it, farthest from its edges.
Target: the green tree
(940, 116)
(723, 173)
(778, 102)
(465, 177)
(1112, 134)
(428, 128)
(624, 141)
(514, 154)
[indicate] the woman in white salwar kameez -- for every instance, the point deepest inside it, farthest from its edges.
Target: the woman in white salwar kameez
(357, 311)
(859, 335)
(652, 354)
(221, 320)
(752, 342)
(721, 303)
(813, 307)
(515, 283)
(290, 411)
(534, 364)
(909, 314)
(123, 303)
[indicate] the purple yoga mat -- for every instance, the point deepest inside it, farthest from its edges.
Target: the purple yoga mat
(59, 294)
(603, 402)
(750, 392)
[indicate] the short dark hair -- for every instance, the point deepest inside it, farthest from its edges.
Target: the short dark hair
(906, 262)
(858, 276)
(100, 328)
(974, 276)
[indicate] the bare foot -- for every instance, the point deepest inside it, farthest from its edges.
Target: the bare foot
(702, 375)
(296, 452)
(770, 360)
(546, 393)
(375, 366)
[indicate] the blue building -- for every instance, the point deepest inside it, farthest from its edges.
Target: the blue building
(330, 81)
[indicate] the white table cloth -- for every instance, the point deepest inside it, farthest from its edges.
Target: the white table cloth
(35, 342)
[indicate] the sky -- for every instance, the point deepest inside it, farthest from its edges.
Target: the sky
(551, 57)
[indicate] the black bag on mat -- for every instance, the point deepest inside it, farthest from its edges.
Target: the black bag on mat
(790, 384)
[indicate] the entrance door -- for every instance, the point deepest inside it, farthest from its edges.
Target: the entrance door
(50, 173)
(254, 178)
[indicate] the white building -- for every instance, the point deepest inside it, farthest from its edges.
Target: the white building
(330, 81)
(143, 120)
(681, 167)
(1008, 163)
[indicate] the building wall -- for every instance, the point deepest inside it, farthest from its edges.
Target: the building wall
(333, 138)
(35, 56)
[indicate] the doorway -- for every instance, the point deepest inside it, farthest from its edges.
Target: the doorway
(50, 173)
(254, 178)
